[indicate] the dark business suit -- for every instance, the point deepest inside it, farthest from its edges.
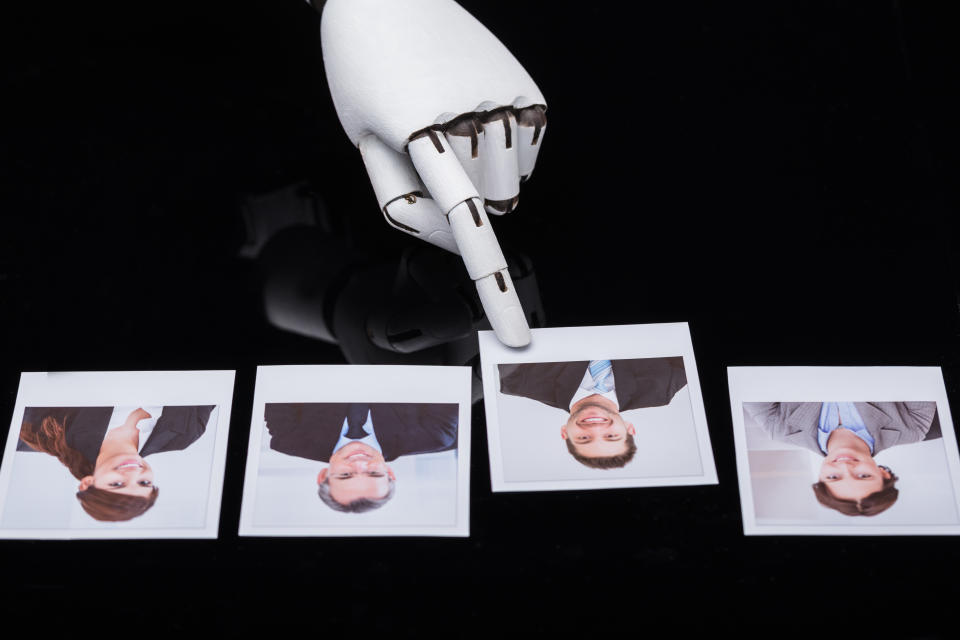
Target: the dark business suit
(640, 382)
(311, 430)
(85, 427)
(889, 423)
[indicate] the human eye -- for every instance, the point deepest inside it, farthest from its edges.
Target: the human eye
(145, 483)
(376, 474)
(833, 476)
(343, 476)
(865, 476)
(117, 484)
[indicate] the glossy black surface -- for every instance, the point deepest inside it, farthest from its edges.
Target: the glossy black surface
(782, 176)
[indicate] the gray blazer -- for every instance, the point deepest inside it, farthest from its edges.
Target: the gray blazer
(890, 423)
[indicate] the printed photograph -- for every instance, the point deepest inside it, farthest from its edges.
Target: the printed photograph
(357, 467)
(592, 421)
(120, 470)
(845, 465)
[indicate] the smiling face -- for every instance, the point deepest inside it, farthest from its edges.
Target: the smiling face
(849, 474)
(596, 429)
(127, 474)
(357, 471)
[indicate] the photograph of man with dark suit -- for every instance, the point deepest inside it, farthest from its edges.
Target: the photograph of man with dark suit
(358, 440)
(848, 435)
(594, 393)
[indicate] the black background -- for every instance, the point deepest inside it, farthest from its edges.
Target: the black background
(779, 175)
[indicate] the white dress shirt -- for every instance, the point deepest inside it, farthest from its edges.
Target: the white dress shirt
(370, 439)
(145, 426)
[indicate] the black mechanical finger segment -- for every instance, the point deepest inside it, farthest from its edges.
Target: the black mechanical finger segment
(501, 281)
(466, 125)
(471, 125)
(477, 219)
(433, 132)
(502, 206)
(393, 222)
(409, 198)
(502, 114)
(533, 116)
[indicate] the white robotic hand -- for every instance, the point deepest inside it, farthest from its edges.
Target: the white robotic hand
(447, 122)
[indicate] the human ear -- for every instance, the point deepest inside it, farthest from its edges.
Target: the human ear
(85, 483)
(322, 476)
(391, 474)
(630, 429)
(563, 432)
(885, 473)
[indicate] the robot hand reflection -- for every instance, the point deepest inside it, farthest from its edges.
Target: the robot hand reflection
(448, 123)
(418, 307)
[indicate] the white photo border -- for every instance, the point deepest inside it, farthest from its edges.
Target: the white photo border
(565, 344)
(840, 384)
(360, 383)
(118, 388)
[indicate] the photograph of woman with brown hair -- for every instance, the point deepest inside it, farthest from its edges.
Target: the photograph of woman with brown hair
(845, 451)
(848, 435)
(105, 449)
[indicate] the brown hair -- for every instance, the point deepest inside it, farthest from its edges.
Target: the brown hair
(108, 506)
(51, 437)
(606, 462)
(871, 505)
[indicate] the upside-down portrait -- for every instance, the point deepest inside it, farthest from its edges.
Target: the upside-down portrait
(106, 450)
(371, 450)
(584, 408)
(845, 451)
(849, 437)
(358, 441)
(593, 394)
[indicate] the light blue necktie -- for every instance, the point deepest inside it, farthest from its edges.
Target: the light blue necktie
(600, 370)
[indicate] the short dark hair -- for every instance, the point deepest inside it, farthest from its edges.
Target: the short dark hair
(605, 462)
(871, 505)
(359, 505)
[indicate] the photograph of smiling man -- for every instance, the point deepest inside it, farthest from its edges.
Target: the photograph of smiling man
(357, 440)
(358, 450)
(596, 408)
(594, 393)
